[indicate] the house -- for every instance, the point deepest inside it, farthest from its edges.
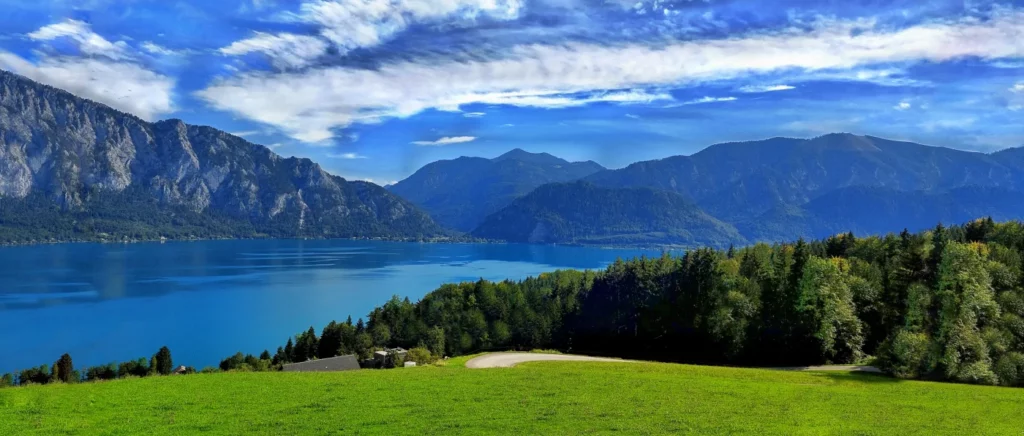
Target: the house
(180, 370)
(379, 356)
(341, 363)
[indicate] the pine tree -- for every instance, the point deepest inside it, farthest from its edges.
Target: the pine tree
(162, 363)
(289, 351)
(63, 369)
(265, 355)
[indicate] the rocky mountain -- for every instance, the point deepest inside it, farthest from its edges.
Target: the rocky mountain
(580, 212)
(460, 193)
(80, 156)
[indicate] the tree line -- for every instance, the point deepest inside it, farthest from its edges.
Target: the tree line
(63, 371)
(944, 304)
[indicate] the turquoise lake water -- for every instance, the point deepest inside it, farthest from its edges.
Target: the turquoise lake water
(206, 300)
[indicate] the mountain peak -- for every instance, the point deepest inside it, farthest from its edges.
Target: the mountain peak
(525, 156)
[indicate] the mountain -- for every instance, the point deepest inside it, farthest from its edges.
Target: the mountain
(460, 193)
(580, 212)
(740, 181)
(83, 169)
(871, 210)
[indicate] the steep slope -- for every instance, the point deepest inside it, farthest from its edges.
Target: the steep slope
(580, 212)
(83, 156)
(460, 193)
(871, 210)
(737, 181)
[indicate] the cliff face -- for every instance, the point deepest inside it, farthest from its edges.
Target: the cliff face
(68, 149)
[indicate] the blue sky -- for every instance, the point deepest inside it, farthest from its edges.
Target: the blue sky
(374, 89)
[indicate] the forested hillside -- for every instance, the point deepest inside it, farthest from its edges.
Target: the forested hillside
(461, 193)
(583, 213)
(946, 304)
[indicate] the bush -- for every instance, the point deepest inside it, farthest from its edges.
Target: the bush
(209, 370)
(420, 355)
(907, 355)
(1010, 369)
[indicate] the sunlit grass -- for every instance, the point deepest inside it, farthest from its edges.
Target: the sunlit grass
(532, 398)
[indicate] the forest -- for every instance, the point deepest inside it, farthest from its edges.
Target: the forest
(945, 304)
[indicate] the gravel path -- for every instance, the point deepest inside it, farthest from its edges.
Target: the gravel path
(508, 360)
(844, 368)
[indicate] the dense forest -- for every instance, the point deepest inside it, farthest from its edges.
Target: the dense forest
(583, 213)
(947, 304)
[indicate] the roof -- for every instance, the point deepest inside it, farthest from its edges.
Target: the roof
(341, 363)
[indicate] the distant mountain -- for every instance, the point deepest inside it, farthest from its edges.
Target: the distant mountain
(870, 210)
(460, 193)
(740, 181)
(580, 212)
(82, 169)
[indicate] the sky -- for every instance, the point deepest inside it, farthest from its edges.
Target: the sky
(374, 89)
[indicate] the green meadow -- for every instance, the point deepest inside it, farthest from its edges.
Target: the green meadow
(532, 398)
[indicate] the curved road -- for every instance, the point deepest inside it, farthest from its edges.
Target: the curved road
(508, 360)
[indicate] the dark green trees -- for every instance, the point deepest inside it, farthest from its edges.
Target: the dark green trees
(162, 363)
(64, 369)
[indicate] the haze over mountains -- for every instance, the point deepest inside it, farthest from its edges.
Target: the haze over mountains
(74, 169)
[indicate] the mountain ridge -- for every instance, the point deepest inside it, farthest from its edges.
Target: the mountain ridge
(461, 192)
(67, 150)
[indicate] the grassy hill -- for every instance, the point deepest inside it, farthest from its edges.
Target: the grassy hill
(533, 398)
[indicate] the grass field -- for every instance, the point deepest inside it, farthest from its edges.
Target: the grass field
(539, 397)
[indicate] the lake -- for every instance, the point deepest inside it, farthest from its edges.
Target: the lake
(206, 300)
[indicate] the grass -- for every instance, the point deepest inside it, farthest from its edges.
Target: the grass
(532, 398)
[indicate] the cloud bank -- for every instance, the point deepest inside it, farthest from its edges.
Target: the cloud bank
(309, 105)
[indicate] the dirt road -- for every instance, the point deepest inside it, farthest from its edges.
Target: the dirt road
(507, 360)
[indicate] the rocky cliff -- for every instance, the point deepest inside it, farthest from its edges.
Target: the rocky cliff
(56, 146)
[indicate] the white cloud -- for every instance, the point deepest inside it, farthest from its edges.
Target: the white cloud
(447, 140)
(1019, 87)
(157, 49)
(88, 41)
(345, 156)
(245, 133)
(309, 104)
(352, 24)
(473, 114)
(124, 86)
(765, 88)
(285, 50)
(105, 72)
(635, 117)
(902, 106)
(704, 100)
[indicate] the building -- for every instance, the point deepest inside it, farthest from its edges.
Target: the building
(380, 356)
(341, 363)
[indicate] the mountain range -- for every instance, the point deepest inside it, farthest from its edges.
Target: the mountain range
(72, 169)
(772, 190)
(461, 193)
(81, 170)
